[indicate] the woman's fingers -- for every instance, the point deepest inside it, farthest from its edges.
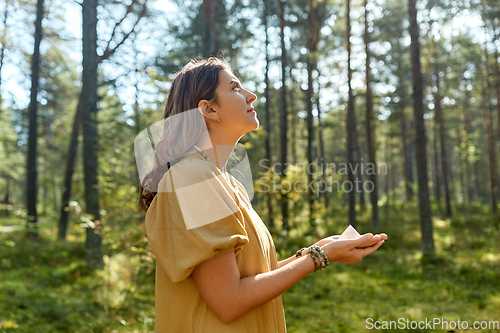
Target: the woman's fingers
(384, 236)
(368, 240)
(369, 250)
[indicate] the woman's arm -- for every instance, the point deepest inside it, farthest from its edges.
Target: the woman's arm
(286, 261)
(320, 243)
(229, 296)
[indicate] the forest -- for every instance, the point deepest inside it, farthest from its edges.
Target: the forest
(380, 114)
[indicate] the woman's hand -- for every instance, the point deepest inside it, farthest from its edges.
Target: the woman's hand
(350, 251)
(326, 240)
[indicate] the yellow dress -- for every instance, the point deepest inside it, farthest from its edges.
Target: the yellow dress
(196, 215)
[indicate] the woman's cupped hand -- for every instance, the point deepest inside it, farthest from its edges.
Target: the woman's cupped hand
(350, 251)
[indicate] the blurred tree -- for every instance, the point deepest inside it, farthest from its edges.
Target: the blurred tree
(210, 38)
(439, 117)
(31, 169)
(420, 140)
(369, 125)
(267, 139)
(90, 59)
(491, 142)
(3, 41)
(312, 44)
(114, 42)
(350, 124)
(283, 123)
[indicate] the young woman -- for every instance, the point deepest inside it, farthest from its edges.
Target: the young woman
(217, 269)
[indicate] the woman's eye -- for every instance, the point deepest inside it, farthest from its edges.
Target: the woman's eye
(236, 86)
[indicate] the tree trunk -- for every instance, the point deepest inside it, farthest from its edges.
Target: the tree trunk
(437, 168)
(32, 174)
(350, 125)
(209, 15)
(369, 126)
(461, 165)
(388, 157)
(3, 41)
(442, 140)
(293, 122)
(311, 41)
(267, 139)
(93, 244)
(497, 73)
(283, 114)
(359, 162)
(468, 168)
(420, 140)
(491, 142)
(321, 142)
(408, 170)
(70, 169)
(479, 168)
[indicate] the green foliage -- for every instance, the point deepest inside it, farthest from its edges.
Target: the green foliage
(46, 286)
(462, 281)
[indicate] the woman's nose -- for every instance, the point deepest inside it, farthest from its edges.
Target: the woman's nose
(252, 97)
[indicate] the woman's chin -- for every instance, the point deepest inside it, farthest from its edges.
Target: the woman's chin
(257, 124)
(252, 127)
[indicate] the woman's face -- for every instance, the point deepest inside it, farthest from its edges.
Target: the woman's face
(234, 106)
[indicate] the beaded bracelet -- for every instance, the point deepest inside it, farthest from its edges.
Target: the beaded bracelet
(313, 256)
(320, 253)
(316, 251)
(299, 252)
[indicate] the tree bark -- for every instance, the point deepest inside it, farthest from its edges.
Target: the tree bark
(267, 139)
(359, 163)
(461, 165)
(405, 129)
(442, 140)
(283, 115)
(427, 240)
(93, 244)
(312, 42)
(3, 41)
(491, 142)
(369, 126)
(437, 168)
(32, 174)
(468, 168)
(350, 125)
(70, 169)
(497, 72)
(293, 122)
(321, 142)
(388, 157)
(210, 42)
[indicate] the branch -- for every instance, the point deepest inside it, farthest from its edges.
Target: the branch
(117, 24)
(110, 51)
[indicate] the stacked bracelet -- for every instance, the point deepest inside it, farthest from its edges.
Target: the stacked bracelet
(299, 252)
(317, 252)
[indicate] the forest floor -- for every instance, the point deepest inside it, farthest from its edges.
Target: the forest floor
(45, 286)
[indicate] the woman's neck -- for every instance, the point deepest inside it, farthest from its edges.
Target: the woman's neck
(218, 148)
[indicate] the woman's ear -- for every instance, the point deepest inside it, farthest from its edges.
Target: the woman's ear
(204, 107)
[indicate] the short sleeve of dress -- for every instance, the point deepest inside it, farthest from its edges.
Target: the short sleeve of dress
(193, 218)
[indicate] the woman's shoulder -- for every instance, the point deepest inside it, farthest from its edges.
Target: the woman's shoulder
(189, 170)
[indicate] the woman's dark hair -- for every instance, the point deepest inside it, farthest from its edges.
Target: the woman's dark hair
(196, 81)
